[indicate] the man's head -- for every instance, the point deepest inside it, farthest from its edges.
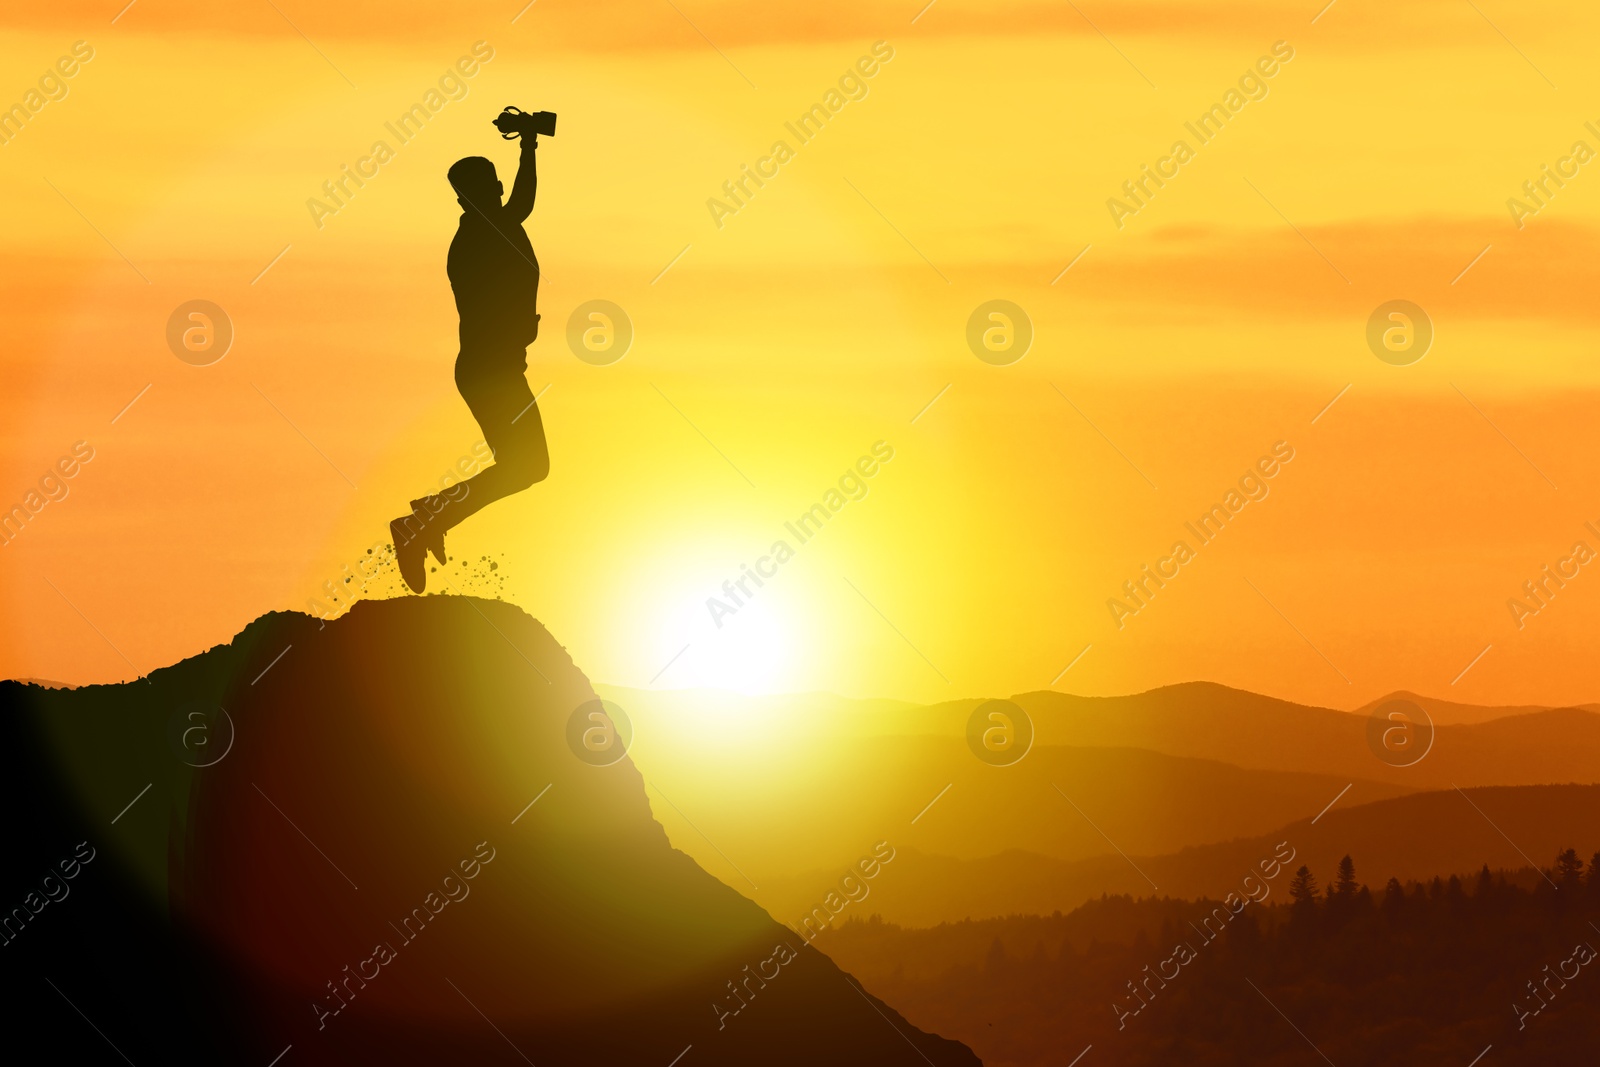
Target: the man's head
(475, 182)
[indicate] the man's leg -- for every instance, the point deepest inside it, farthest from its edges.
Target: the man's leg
(500, 400)
(509, 418)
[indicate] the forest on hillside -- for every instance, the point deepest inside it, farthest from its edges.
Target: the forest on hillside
(1435, 972)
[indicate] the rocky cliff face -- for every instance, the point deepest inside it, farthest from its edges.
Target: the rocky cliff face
(400, 837)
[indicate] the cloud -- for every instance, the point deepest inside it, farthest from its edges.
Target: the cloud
(1546, 272)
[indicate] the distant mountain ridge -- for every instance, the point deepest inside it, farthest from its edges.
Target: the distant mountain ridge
(1418, 836)
(1472, 745)
(1155, 772)
(1452, 713)
(1208, 721)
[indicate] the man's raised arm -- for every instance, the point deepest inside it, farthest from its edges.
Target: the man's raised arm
(520, 206)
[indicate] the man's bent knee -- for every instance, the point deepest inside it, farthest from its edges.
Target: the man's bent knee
(527, 470)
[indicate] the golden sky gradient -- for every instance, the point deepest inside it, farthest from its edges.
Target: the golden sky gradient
(822, 318)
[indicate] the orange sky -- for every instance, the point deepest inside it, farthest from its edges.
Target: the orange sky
(822, 318)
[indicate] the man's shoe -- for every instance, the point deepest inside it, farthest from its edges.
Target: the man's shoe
(432, 535)
(410, 554)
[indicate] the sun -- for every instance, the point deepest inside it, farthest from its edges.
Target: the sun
(674, 640)
(752, 653)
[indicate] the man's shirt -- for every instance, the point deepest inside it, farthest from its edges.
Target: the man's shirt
(494, 273)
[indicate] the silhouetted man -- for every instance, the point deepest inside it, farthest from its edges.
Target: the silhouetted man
(495, 276)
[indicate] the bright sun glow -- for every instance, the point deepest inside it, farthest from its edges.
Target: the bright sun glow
(751, 653)
(761, 646)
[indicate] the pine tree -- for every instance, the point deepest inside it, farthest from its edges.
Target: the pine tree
(1344, 885)
(1303, 891)
(1303, 887)
(1569, 871)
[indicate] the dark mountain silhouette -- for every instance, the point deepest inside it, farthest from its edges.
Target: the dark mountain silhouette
(394, 855)
(1419, 836)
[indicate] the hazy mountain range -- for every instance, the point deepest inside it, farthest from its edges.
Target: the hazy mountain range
(1187, 783)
